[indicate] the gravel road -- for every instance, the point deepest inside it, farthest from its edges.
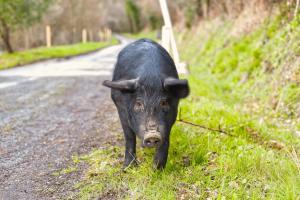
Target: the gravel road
(50, 111)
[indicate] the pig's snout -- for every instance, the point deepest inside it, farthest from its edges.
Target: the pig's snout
(152, 139)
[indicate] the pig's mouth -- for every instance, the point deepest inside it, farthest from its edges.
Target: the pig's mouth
(152, 139)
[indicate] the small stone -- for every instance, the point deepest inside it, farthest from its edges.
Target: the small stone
(233, 184)
(276, 145)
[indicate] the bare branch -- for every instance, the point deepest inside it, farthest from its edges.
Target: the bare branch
(202, 126)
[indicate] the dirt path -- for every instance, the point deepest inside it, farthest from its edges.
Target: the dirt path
(50, 111)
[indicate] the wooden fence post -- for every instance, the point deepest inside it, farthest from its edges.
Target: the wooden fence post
(48, 36)
(91, 36)
(73, 35)
(107, 33)
(26, 38)
(165, 35)
(84, 36)
(168, 39)
(100, 34)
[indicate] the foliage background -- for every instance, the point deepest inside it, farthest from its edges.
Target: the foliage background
(68, 18)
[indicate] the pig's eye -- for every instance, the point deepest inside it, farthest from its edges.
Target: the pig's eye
(139, 106)
(164, 104)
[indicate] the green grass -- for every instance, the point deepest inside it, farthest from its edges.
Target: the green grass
(67, 170)
(43, 53)
(246, 85)
(144, 34)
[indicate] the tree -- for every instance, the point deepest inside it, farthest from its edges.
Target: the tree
(16, 14)
(133, 13)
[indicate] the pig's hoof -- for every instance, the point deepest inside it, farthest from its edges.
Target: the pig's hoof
(158, 166)
(127, 165)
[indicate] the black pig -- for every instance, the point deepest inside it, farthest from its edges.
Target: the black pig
(146, 91)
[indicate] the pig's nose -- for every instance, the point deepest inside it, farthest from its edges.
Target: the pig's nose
(152, 140)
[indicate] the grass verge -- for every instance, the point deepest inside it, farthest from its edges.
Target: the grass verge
(43, 53)
(144, 34)
(247, 85)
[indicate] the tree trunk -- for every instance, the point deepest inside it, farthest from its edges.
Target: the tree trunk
(130, 24)
(6, 41)
(205, 7)
(5, 35)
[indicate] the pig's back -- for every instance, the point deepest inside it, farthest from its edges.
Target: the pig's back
(142, 58)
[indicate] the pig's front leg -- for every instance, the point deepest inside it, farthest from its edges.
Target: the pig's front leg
(130, 146)
(161, 155)
(130, 140)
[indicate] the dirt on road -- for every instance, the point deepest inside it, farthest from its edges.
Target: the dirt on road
(49, 112)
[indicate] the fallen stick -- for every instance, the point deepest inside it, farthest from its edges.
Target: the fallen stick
(204, 127)
(201, 126)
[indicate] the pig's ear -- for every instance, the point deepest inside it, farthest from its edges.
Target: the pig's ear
(177, 87)
(124, 85)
